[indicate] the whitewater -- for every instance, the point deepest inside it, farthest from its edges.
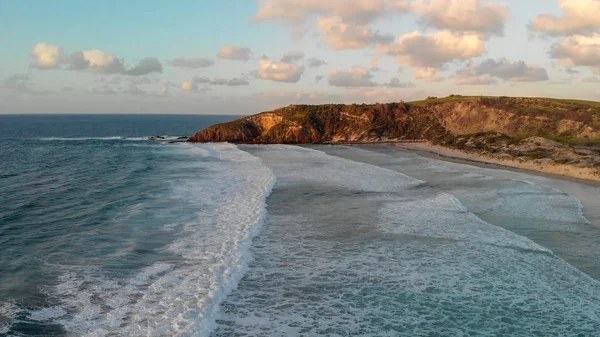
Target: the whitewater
(146, 238)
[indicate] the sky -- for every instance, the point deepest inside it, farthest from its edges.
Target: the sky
(241, 57)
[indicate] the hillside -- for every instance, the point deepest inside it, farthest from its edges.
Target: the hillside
(438, 120)
(549, 135)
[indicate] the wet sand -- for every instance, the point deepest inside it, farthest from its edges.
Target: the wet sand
(587, 191)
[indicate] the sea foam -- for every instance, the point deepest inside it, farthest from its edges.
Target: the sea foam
(180, 296)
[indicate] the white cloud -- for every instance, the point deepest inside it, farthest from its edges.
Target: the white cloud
(354, 77)
(191, 63)
(578, 16)
(434, 50)
(578, 50)
(292, 57)
(428, 74)
(343, 23)
(235, 53)
(341, 35)
(189, 86)
(296, 11)
(463, 15)
(97, 61)
(279, 71)
(47, 56)
(102, 62)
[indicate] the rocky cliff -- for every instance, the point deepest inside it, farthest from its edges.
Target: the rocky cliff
(444, 121)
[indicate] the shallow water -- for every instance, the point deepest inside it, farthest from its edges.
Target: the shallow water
(350, 249)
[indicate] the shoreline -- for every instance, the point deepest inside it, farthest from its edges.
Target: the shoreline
(586, 191)
(579, 175)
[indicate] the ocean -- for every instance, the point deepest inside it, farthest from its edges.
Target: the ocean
(106, 233)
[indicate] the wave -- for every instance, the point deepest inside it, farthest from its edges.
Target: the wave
(180, 296)
(444, 216)
(79, 138)
(138, 139)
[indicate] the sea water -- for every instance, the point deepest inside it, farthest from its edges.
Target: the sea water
(104, 233)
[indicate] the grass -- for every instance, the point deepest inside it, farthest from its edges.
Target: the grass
(458, 98)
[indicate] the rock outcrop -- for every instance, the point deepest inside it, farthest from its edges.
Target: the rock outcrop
(441, 121)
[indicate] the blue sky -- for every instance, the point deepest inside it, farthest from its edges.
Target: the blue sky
(143, 56)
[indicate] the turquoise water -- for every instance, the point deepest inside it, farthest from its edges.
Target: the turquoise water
(104, 233)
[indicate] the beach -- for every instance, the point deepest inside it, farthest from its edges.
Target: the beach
(577, 183)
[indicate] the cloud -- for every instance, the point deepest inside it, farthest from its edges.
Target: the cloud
(571, 71)
(104, 90)
(202, 79)
(17, 82)
(189, 86)
(469, 79)
(133, 89)
(343, 23)
(96, 61)
(434, 50)
(591, 80)
(292, 57)
(315, 63)
(46, 56)
(463, 15)
(489, 70)
(428, 74)
(279, 71)
(395, 83)
(191, 63)
(296, 11)
(578, 50)
(341, 35)
(579, 16)
(513, 71)
(136, 80)
(354, 77)
(235, 53)
(146, 66)
(234, 82)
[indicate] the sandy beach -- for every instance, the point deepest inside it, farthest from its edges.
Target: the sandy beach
(582, 175)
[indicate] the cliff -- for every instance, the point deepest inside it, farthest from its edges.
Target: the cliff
(438, 120)
(556, 136)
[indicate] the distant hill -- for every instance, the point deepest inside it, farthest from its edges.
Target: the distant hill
(440, 120)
